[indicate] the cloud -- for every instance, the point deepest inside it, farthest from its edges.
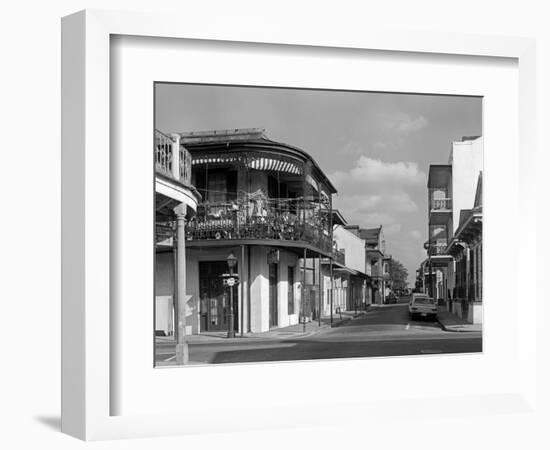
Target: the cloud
(401, 122)
(375, 192)
(415, 234)
(392, 229)
(370, 171)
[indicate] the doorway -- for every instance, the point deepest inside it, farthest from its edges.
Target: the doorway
(214, 297)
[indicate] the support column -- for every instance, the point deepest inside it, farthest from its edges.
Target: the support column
(303, 293)
(320, 291)
(175, 156)
(243, 291)
(182, 351)
(475, 249)
(331, 291)
(467, 289)
(248, 291)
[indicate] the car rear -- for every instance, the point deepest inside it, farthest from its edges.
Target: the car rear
(423, 306)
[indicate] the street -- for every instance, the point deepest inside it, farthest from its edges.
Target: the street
(382, 331)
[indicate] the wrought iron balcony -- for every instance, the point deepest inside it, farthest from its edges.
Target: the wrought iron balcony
(170, 160)
(237, 221)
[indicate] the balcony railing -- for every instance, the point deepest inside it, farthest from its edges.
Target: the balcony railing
(378, 272)
(231, 221)
(437, 249)
(164, 232)
(167, 153)
(440, 200)
(339, 256)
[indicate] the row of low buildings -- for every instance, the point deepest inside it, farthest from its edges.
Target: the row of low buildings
(453, 270)
(267, 206)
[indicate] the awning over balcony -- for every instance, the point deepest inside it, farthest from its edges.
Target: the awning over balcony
(250, 161)
(469, 228)
(349, 271)
(254, 150)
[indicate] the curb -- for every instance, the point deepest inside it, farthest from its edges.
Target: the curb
(349, 319)
(239, 340)
(341, 322)
(454, 330)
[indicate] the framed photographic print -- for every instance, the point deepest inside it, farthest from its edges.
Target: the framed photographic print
(254, 221)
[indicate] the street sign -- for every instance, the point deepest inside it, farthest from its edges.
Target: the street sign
(230, 280)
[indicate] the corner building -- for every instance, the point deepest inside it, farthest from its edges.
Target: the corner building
(270, 205)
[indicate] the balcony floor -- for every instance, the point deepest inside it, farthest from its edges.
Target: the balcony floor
(293, 246)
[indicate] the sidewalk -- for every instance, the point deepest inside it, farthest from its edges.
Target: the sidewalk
(343, 317)
(292, 332)
(451, 322)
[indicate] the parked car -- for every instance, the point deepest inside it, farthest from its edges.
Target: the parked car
(391, 298)
(423, 306)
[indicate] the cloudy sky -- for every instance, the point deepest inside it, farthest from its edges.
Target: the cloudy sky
(375, 147)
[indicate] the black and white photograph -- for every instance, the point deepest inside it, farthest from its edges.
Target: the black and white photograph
(261, 225)
(301, 224)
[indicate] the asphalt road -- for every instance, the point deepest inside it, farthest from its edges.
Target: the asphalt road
(383, 331)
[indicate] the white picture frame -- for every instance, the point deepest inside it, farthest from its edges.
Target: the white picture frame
(87, 385)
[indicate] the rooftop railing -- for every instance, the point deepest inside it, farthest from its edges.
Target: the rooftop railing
(172, 159)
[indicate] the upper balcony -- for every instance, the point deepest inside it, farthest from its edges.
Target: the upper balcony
(255, 189)
(339, 256)
(378, 272)
(171, 159)
(297, 223)
(172, 178)
(440, 202)
(437, 250)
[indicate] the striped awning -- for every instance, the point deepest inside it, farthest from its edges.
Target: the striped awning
(264, 163)
(274, 164)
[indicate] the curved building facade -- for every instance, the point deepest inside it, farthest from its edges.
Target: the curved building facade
(269, 206)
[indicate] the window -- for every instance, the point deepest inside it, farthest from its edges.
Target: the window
(217, 187)
(291, 290)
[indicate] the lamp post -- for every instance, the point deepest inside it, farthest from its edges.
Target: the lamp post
(231, 262)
